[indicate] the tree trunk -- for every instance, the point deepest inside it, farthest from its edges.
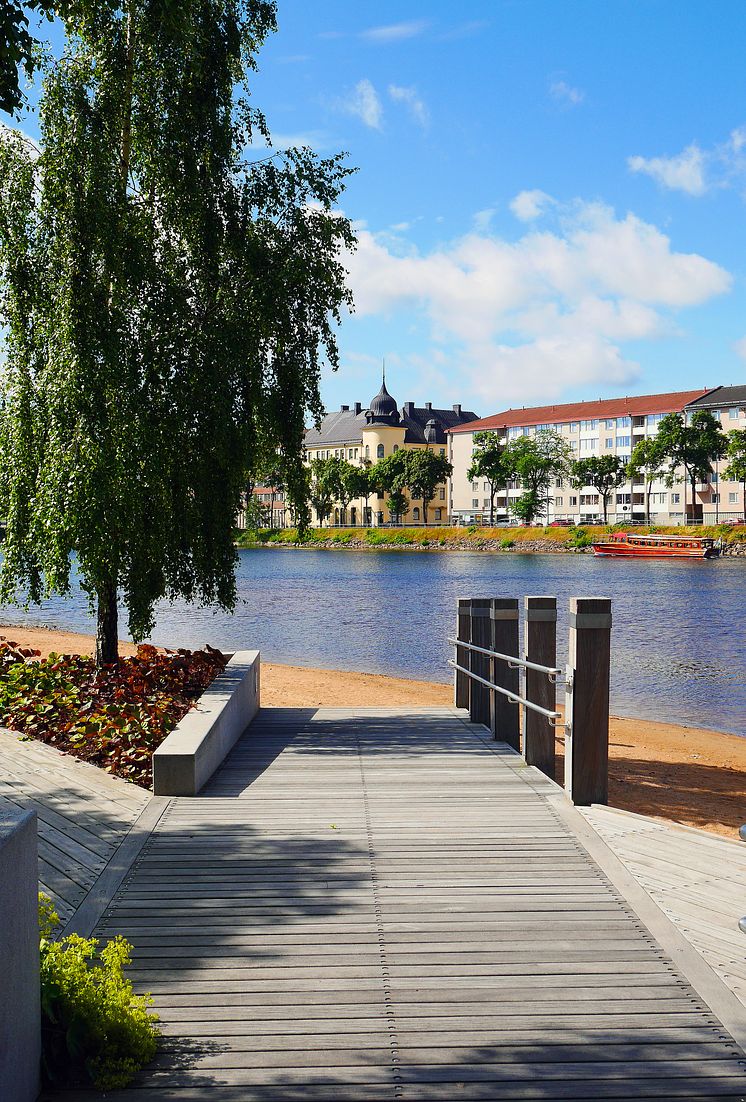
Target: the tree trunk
(744, 502)
(492, 506)
(605, 500)
(107, 626)
(647, 502)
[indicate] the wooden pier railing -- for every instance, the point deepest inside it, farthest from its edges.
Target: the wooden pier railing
(488, 666)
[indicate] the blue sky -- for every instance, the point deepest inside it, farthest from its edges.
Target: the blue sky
(551, 196)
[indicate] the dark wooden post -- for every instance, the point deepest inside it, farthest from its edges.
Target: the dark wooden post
(541, 647)
(480, 663)
(587, 707)
(504, 717)
(463, 631)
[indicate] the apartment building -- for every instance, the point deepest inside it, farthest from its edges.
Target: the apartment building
(610, 426)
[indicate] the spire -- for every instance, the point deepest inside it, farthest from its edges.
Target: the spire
(383, 373)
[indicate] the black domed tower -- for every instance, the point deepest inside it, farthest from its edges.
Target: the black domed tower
(383, 409)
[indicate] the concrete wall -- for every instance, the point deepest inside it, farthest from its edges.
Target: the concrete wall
(186, 760)
(20, 1012)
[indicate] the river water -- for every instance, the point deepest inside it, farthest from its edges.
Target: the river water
(678, 641)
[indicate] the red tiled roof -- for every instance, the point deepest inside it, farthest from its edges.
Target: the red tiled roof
(635, 406)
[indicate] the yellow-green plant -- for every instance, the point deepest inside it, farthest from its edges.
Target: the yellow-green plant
(95, 1028)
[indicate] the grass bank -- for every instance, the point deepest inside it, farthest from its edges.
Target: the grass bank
(472, 538)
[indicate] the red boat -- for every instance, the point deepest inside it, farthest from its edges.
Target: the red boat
(657, 547)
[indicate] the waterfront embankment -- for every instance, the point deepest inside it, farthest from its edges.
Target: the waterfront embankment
(684, 774)
(549, 540)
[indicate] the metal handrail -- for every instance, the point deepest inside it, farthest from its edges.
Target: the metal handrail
(555, 718)
(512, 659)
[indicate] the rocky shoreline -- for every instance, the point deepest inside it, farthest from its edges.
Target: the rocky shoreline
(533, 546)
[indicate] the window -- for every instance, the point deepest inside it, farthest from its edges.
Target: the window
(558, 484)
(623, 442)
(654, 419)
(367, 451)
(715, 499)
(486, 503)
(442, 451)
(609, 441)
(572, 499)
(474, 487)
(438, 514)
(732, 499)
(589, 445)
(611, 424)
(623, 422)
(486, 487)
(588, 425)
(379, 451)
(396, 447)
(415, 513)
(714, 476)
(558, 501)
(675, 499)
(475, 503)
(574, 425)
(623, 499)
(442, 493)
(589, 499)
(574, 445)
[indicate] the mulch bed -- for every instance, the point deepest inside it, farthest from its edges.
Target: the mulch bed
(115, 717)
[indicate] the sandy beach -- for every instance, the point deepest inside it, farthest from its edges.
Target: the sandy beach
(684, 774)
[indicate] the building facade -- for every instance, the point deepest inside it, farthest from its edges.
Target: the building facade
(363, 436)
(609, 426)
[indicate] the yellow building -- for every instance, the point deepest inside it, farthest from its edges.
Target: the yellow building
(363, 436)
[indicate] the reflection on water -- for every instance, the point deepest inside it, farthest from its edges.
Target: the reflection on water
(679, 649)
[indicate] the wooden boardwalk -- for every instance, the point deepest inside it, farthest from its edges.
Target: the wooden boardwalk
(696, 878)
(388, 905)
(84, 815)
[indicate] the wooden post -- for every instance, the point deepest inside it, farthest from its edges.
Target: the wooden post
(587, 703)
(463, 631)
(504, 716)
(541, 647)
(480, 663)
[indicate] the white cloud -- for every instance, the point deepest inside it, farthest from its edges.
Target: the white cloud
(412, 101)
(365, 104)
(684, 172)
(395, 32)
(527, 320)
(564, 93)
(528, 205)
(740, 347)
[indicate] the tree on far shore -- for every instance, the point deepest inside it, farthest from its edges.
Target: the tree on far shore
(605, 473)
(165, 302)
(425, 472)
(736, 456)
(536, 461)
(488, 463)
(647, 461)
(693, 444)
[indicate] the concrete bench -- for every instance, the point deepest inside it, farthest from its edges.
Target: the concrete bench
(197, 746)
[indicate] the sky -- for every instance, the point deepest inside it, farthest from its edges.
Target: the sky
(550, 200)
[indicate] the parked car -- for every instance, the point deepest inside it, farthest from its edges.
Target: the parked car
(562, 524)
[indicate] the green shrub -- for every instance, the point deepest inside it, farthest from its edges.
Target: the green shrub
(471, 529)
(506, 544)
(95, 1029)
(579, 538)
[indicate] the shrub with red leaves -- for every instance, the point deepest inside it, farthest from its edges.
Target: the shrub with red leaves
(115, 717)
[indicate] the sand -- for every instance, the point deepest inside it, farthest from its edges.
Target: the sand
(684, 774)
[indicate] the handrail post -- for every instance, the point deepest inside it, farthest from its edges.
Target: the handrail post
(541, 647)
(463, 632)
(504, 717)
(481, 636)
(587, 701)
